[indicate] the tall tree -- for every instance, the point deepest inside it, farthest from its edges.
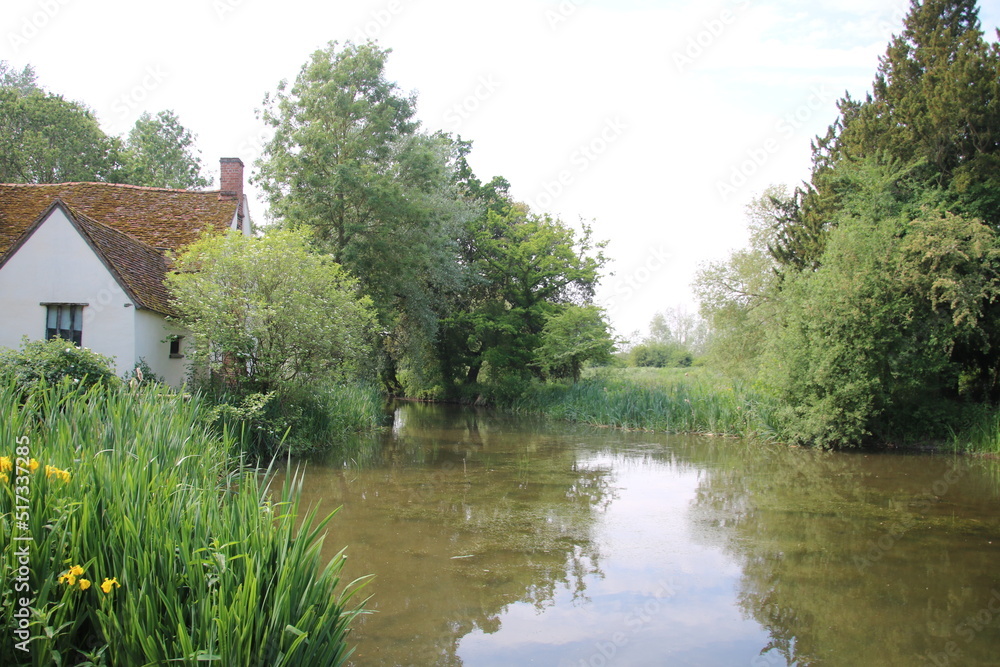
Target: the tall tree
(935, 104)
(160, 152)
(47, 139)
(348, 163)
(524, 269)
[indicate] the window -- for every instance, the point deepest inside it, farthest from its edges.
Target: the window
(64, 320)
(175, 347)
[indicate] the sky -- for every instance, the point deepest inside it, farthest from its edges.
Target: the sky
(655, 121)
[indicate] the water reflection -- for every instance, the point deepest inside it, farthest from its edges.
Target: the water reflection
(861, 559)
(501, 541)
(458, 520)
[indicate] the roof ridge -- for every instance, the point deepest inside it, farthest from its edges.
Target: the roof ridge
(111, 185)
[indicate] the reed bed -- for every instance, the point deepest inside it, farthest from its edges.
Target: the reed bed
(146, 545)
(698, 405)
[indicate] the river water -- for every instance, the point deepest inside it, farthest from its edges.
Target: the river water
(499, 541)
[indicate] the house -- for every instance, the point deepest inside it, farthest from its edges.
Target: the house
(86, 262)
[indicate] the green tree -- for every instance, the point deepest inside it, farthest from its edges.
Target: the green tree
(347, 163)
(160, 152)
(572, 336)
(267, 313)
(523, 268)
(47, 139)
(935, 105)
(891, 332)
(24, 81)
(737, 297)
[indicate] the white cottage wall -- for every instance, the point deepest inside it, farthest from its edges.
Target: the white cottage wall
(151, 334)
(57, 265)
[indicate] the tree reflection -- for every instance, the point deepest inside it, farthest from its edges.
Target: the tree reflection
(858, 559)
(459, 514)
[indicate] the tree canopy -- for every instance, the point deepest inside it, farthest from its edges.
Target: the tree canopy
(869, 298)
(459, 274)
(266, 312)
(160, 152)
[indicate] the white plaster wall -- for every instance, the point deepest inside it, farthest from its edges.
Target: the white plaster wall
(56, 265)
(151, 332)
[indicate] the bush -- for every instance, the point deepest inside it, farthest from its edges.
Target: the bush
(299, 419)
(49, 361)
(660, 355)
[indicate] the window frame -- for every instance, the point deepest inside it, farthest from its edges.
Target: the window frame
(55, 312)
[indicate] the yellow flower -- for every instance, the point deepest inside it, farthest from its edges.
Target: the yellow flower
(51, 471)
(32, 465)
(4, 478)
(108, 583)
(84, 584)
(69, 577)
(6, 464)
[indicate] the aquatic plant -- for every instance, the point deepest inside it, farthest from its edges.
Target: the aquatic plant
(198, 560)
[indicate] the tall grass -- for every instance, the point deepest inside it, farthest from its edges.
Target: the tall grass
(705, 404)
(981, 434)
(299, 419)
(210, 571)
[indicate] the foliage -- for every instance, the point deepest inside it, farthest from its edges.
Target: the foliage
(652, 354)
(348, 163)
(737, 296)
(147, 547)
(159, 152)
(885, 334)
(266, 312)
(47, 362)
(47, 139)
(868, 298)
(298, 419)
(677, 326)
(572, 336)
(525, 269)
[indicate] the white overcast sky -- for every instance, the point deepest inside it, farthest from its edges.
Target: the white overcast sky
(658, 120)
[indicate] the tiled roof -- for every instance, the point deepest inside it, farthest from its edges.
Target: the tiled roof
(128, 226)
(158, 217)
(138, 267)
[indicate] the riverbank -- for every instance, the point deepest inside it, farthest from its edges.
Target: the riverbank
(700, 400)
(129, 534)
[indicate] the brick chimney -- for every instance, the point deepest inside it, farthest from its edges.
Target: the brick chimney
(231, 182)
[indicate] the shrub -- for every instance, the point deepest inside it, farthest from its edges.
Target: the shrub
(49, 361)
(298, 419)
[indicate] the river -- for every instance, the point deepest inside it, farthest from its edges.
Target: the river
(498, 540)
